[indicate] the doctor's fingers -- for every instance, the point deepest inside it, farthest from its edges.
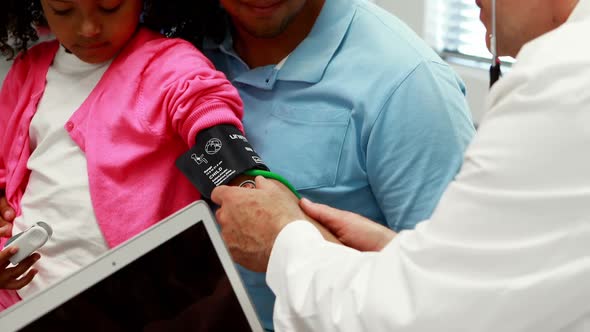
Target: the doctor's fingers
(275, 189)
(228, 201)
(220, 216)
(236, 204)
(227, 194)
(232, 217)
(219, 194)
(333, 219)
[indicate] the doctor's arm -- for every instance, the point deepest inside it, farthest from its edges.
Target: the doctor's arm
(455, 276)
(250, 220)
(505, 250)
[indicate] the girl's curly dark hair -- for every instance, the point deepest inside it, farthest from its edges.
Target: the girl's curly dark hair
(17, 25)
(192, 20)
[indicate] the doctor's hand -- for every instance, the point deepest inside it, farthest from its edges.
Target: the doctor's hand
(350, 229)
(7, 215)
(12, 277)
(251, 219)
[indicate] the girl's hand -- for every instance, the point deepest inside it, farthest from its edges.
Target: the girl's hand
(10, 277)
(6, 218)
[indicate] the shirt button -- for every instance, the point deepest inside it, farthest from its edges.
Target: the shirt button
(69, 126)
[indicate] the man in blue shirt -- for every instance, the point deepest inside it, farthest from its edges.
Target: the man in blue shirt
(348, 104)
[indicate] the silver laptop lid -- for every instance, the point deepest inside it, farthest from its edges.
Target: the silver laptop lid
(175, 276)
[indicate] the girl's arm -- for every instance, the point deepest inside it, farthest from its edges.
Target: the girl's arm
(9, 94)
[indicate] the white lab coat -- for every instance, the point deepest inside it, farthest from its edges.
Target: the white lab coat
(507, 248)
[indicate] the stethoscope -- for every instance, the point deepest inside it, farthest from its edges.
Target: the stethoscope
(495, 71)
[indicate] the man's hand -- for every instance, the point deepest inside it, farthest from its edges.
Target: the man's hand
(251, 219)
(10, 277)
(351, 229)
(6, 218)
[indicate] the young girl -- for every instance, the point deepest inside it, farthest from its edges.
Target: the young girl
(91, 125)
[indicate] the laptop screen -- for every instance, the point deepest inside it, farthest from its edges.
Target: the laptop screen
(180, 285)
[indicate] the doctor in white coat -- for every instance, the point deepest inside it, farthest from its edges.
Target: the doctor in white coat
(507, 248)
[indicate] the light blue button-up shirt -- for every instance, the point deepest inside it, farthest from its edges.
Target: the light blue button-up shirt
(362, 116)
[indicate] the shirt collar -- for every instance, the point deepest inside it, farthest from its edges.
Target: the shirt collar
(308, 62)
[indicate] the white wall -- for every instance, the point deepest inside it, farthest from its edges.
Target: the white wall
(410, 11)
(413, 13)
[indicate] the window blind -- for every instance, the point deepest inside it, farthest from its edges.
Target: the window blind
(453, 27)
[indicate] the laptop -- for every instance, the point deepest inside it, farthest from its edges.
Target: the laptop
(175, 276)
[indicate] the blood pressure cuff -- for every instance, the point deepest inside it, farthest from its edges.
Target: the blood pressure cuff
(220, 154)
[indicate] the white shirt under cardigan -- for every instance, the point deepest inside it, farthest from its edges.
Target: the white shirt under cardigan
(58, 192)
(508, 247)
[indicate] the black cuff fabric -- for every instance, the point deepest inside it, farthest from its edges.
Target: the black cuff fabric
(220, 154)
